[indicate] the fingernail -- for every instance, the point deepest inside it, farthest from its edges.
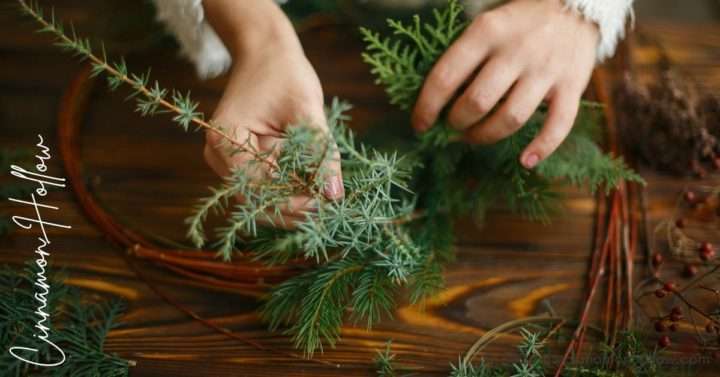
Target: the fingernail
(531, 160)
(334, 189)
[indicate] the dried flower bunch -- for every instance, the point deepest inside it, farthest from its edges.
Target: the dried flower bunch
(669, 125)
(393, 230)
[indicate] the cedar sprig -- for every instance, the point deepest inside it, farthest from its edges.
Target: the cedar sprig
(402, 60)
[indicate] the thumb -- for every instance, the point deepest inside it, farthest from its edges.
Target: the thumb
(334, 188)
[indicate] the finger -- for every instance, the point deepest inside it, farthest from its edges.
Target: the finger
(561, 116)
(524, 99)
(289, 214)
(331, 171)
(447, 75)
(493, 81)
(215, 161)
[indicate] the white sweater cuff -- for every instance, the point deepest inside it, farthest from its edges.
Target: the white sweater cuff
(610, 16)
(198, 40)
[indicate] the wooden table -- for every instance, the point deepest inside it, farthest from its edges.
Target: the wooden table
(148, 173)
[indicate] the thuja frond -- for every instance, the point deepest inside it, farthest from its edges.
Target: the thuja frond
(400, 64)
(77, 326)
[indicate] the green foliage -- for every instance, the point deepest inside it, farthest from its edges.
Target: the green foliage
(393, 229)
(78, 326)
(401, 62)
(385, 362)
(629, 358)
(529, 365)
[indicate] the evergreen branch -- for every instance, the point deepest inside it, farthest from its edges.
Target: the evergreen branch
(153, 100)
(77, 326)
(628, 358)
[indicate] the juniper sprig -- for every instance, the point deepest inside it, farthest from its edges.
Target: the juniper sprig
(628, 358)
(393, 229)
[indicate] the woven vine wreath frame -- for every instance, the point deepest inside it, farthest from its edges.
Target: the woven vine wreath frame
(242, 275)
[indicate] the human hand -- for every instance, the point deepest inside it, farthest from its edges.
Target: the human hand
(513, 57)
(272, 85)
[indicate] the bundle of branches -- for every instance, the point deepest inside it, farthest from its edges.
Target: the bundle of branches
(670, 125)
(79, 327)
(394, 227)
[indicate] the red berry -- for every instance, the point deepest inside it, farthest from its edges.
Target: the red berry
(669, 286)
(709, 328)
(680, 223)
(664, 341)
(716, 163)
(707, 255)
(675, 317)
(676, 310)
(660, 327)
(705, 247)
(690, 270)
(660, 293)
(657, 260)
(673, 327)
(689, 197)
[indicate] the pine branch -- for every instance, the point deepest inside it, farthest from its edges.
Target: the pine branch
(79, 327)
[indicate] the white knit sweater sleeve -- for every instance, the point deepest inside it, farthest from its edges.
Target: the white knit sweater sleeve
(201, 45)
(198, 40)
(610, 16)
